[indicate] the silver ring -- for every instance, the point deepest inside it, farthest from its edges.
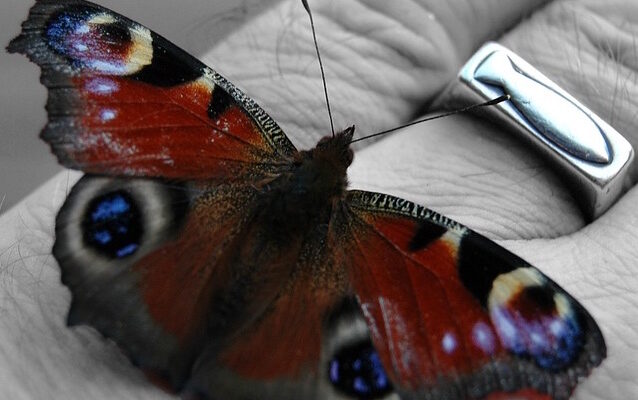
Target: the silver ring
(592, 156)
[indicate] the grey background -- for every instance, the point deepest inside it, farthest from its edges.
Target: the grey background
(25, 161)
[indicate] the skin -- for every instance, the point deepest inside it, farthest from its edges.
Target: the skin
(386, 62)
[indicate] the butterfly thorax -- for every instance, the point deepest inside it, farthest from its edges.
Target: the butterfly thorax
(317, 178)
(321, 171)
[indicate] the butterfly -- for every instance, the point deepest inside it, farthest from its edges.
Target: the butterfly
(228, 264)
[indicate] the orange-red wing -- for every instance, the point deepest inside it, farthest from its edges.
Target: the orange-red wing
(125, 101)
(455, 316)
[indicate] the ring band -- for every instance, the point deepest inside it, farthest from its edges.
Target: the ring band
(588, 152)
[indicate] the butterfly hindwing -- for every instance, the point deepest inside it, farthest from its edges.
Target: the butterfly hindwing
(455, 316)
(125, 101)
(143, 259)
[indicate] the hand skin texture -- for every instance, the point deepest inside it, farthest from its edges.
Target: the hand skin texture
(386, 62)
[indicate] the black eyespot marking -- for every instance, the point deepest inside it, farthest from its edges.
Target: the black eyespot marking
(356, 370)
(169, 67)
(480, 262)
(112, 225)
(116, 32)
(541, 296)
(426, 233)
(346, 308)
(219, 102)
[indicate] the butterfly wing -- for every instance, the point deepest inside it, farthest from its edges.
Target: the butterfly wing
(455, 316)
(147, 252)
(125, 101)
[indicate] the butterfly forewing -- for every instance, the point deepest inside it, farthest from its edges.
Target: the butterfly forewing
(125, 101)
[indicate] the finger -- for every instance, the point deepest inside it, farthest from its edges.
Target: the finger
(598, 266)
(460, 27)
(468, 170)
(590, 50)
(383, 60)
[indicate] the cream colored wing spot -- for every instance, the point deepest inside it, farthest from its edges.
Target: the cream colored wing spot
(141, 53)
(508, 285)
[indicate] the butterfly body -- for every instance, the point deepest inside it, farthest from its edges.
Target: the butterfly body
(228, 264)
(315, 182)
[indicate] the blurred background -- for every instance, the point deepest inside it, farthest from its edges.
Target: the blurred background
(25, 160)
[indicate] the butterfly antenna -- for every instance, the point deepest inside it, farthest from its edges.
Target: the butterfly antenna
(323, 75)
(492, 102)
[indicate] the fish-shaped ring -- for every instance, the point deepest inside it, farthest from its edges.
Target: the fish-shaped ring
(587, 151)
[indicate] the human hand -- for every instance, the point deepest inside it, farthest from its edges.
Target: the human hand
(384, 64)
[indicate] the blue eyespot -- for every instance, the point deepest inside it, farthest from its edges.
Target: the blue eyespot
(357, 371)
(112, 225)
(532, 325)
(61, 27)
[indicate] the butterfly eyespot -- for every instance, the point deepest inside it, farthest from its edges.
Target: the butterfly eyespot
(99, 41)
(534, 320)
(112, 225)
(356, 370)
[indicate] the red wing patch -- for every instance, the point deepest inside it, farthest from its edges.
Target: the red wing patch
(178, 279)
(288, 339)
(127, 127)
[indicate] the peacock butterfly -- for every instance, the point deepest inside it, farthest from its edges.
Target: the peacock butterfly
(228, 264)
